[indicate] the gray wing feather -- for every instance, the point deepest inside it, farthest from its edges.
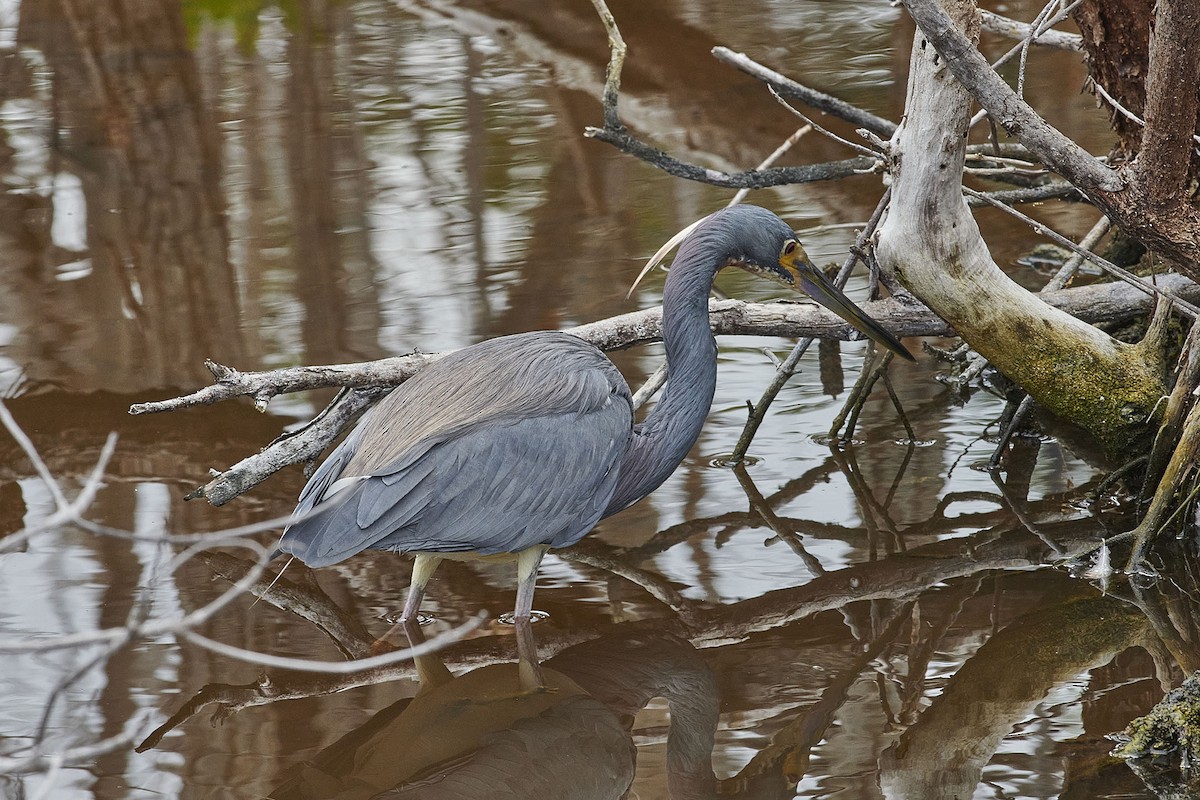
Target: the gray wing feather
(537, 481)
(535, 461)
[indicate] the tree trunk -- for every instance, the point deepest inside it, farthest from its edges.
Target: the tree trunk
(931, 241)
(1116, 39)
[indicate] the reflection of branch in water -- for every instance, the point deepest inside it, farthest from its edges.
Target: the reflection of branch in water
(300, 595)
(608, 558)
(874, 514)
(896, 577)
(1172, 606)
(926, 636)
(1000, 686)
(1017, 506)
(760, 506)
(787, 757)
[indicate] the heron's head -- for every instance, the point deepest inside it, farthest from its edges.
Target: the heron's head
(762, 244)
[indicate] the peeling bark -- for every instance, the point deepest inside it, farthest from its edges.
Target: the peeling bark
(1116, 39)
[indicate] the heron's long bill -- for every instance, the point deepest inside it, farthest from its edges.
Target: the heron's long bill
(819, 288)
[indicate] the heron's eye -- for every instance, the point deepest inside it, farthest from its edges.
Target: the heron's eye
(790, 248)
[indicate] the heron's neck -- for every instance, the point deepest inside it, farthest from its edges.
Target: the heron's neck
(663, 440)
(691, 359)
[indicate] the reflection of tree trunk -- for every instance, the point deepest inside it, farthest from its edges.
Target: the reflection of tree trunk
(943, 754)
(161, 292)
(325, 280)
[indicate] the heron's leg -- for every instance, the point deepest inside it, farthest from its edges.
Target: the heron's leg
(529, 670)
(431, 672)
(527, 566)
(424, 565)
(423, 569)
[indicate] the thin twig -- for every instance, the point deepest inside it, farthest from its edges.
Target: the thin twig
(891, 390)
(1018, 417)
(811, 97)
(336, 667)
(1185, 307)
(1071, 265)
(775, 155)
(650, 387)
(1034, 30)
(871, 372)
(1125, 112)
(616, 61)
(858, 148)
(1035, 33)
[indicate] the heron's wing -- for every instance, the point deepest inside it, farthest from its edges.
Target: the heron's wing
(499, 380)
(525, 450)
(544, 480)
(496, 488)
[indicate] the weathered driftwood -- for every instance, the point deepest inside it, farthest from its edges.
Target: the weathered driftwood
(1147, 197)
(932, 243)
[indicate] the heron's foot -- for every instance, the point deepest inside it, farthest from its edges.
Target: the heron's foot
(420, 618)
(510, 618)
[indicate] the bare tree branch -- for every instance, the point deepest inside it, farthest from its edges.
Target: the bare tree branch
(1014, 29)
(810, 97)
(1059, 152)
(262, 386)
(1094, 303)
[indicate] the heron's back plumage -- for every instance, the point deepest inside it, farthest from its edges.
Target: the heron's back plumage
(513, 442)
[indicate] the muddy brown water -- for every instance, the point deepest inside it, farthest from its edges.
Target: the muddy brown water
(326, 182)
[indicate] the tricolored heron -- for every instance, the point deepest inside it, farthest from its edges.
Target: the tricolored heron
(512, 446)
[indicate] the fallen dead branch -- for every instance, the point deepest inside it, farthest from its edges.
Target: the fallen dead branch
(905, 317)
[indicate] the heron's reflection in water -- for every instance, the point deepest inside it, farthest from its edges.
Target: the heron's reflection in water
(561, 729)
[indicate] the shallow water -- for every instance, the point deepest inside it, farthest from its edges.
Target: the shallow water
(324, 183)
